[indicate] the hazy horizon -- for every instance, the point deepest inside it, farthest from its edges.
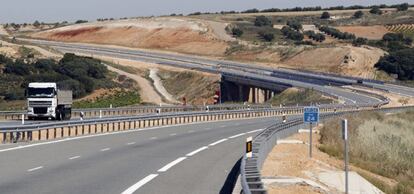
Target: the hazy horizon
(21, 11)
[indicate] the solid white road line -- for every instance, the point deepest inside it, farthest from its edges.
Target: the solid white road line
(131, 143)
(254, 131)
(33, 169)
(105, 149)
(171, 164)
(139, 184)
(152, 138)
(217, 142)
(196, 151)
(173, 134)
(238, 135)
(74, 157)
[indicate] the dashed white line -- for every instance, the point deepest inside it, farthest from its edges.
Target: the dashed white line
(105, 149)
(217, 142)
(238, 135)
(33, 169)
(196, 151)
(152, 138)
(171, 164)
(139, 184)
(191, 131)
(173, 134)
(74, 157)
(131, 143)
(223, 125)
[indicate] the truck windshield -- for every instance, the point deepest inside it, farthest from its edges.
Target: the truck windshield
(40, 92)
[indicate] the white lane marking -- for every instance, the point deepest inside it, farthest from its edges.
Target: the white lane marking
(191, 131)
(74, 157)
(219, 141)
(105, 149)
(196, 151)
(223, 126)
(171, 164)
(33, 169)
(238, 135)
(131, 143)
(173, 134)
(152, 138)
(105, 134)
(139, 184)
(254, 131)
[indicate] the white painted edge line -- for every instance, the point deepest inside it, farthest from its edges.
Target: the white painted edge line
(33, 169)
(139, 184)
(112, 133)
(154, 138)
(196, 151)
(254, 131)
(105, 149)
(238, 135)
(74, 157)
(171, 164)
(219, 141)
(131, 143)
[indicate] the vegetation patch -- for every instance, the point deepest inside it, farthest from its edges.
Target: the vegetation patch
(293, 96)
(118, 99)
(378, 143)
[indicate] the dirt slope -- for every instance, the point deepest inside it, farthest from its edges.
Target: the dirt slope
(181, 35)
(370, 32)
(347, 60)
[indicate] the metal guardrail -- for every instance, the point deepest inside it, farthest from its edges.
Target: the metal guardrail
(52, 130)
(97, 112)
(264, 142)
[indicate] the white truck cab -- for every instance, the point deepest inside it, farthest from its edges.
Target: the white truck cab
(44, 100)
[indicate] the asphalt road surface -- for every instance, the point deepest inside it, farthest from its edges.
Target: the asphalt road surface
(193, 158)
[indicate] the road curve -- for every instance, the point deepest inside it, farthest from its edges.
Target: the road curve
(185, 159)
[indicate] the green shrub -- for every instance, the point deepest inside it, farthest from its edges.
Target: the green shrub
(262, 21)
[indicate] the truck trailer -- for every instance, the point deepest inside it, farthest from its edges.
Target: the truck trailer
(46, 101)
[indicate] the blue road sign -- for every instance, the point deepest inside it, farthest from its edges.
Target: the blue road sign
(311, 114)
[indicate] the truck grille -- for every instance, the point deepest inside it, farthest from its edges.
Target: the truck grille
(40, 103)
(40, 110)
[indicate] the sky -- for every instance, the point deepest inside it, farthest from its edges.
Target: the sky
(20, 11)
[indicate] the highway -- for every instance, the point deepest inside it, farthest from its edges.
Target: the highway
(180, 159)
(244, 71)
(222, 66)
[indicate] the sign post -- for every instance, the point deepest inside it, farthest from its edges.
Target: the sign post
(310, 115)
(345, 138)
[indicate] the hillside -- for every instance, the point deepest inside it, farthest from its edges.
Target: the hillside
(181, 35)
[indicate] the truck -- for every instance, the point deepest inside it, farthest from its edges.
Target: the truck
(46, 101)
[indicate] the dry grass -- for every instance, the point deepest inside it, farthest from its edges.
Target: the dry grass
(378, 143)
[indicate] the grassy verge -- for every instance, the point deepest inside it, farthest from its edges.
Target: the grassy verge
(301, 97)
(378, 143)
(118, 99)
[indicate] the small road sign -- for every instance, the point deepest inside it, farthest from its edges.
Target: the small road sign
(311, 114)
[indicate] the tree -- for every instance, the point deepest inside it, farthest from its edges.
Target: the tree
(399, 62)
(358, 14)
(388, 37)
(403, 7)
(81, 21)
(36, 24)
(294, 24)
(267, 36)
(325, 15)
(359, 41)
(375, 10)
(262, 21)
(237, 32)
